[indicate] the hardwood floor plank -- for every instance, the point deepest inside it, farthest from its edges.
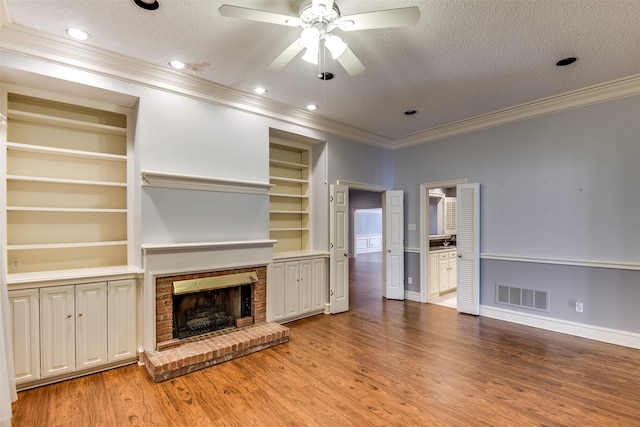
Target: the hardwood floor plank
(383, 363)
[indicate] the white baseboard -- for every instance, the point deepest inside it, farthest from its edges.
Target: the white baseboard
(597, 333)
(412, 296)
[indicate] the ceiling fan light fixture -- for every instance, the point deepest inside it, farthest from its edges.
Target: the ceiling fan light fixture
(261, 90)
(312, 107)
(311, 54)
(336, 45)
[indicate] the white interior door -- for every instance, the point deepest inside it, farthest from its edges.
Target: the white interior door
(468, 219)
(339, 249)
(394, 244)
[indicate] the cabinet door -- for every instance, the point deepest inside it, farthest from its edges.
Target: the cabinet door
(453, 270)
(122, 321)
(57, 329)
(443, 273)
(25, 333)
(91, 325)
(276, 293)
(319, 284)
(432, 276)
(306, 286)
(291, 288)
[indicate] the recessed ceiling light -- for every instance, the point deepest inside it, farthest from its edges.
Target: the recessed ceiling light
(260, 91)
(312, 107)
(410, 112)
(77, 34)
(147, 4)
(178, 65)
(566, 61)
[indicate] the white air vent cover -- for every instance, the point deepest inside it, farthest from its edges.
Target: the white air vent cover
(533, 299)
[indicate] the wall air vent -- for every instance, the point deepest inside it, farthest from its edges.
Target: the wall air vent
(533, 299)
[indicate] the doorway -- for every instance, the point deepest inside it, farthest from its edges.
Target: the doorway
(341, 251)
(437, 258)
(365, 239)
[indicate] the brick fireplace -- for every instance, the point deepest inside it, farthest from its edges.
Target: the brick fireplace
(167, 355)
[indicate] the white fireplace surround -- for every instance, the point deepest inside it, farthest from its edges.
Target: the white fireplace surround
(166, 259)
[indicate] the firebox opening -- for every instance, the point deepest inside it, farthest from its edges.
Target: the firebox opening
(208, 311)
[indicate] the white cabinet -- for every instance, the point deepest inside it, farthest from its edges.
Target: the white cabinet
(443, 272)
(292, 288)
(365, 244)
(122, 320)
(275, 293)
(59, 331)
(433, 285)
(447, 270)
(297, 288)
(73, 326)
(25, 331)
(91, 325)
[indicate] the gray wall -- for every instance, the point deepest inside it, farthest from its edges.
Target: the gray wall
(563, 186)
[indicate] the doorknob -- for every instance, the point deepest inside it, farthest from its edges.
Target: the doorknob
(459, 255)
(389, 250)
(346, 254)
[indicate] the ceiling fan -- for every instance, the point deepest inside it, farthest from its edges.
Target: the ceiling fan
(318, 18)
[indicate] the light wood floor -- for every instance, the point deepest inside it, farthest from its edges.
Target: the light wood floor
(384, 363)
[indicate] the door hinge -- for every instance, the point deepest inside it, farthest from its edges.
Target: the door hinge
(331, 245)
(330, 199)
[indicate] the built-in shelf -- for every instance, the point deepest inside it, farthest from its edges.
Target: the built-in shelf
(28, 148)
(280, 179)
(289, 199)
(48, 209)
(45, 119)
(65, 245)
(202, 183)
(66, 185)
(290, 165)
(275, 212)
(36, 179)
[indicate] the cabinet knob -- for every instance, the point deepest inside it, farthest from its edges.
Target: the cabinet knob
(80, 315)
(68, 316)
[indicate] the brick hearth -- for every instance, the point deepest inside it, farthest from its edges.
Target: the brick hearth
(173, 357)
(194, 355)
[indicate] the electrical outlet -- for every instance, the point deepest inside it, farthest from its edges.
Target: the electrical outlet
(412, 227)
(410, 280)
(579, 306)
(15, 263)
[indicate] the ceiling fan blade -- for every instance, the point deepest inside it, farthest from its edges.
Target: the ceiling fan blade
(402, 17)
(231, 11)
(286, 56)
(351, 63)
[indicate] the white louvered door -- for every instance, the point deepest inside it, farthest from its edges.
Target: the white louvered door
(468, 245)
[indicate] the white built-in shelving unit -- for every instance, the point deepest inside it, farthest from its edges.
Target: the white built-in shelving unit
(289, 173)
(66, 183)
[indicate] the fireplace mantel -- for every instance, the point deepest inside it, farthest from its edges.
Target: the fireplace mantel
(162, 259)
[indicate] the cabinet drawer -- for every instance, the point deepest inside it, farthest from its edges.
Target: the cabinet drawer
(443, 255)
(453, 254)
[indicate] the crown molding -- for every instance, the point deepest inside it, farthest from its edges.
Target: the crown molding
(37, 45)
(591, 95)
(30, 43)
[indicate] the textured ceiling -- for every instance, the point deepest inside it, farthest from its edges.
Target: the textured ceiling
(464, 58)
